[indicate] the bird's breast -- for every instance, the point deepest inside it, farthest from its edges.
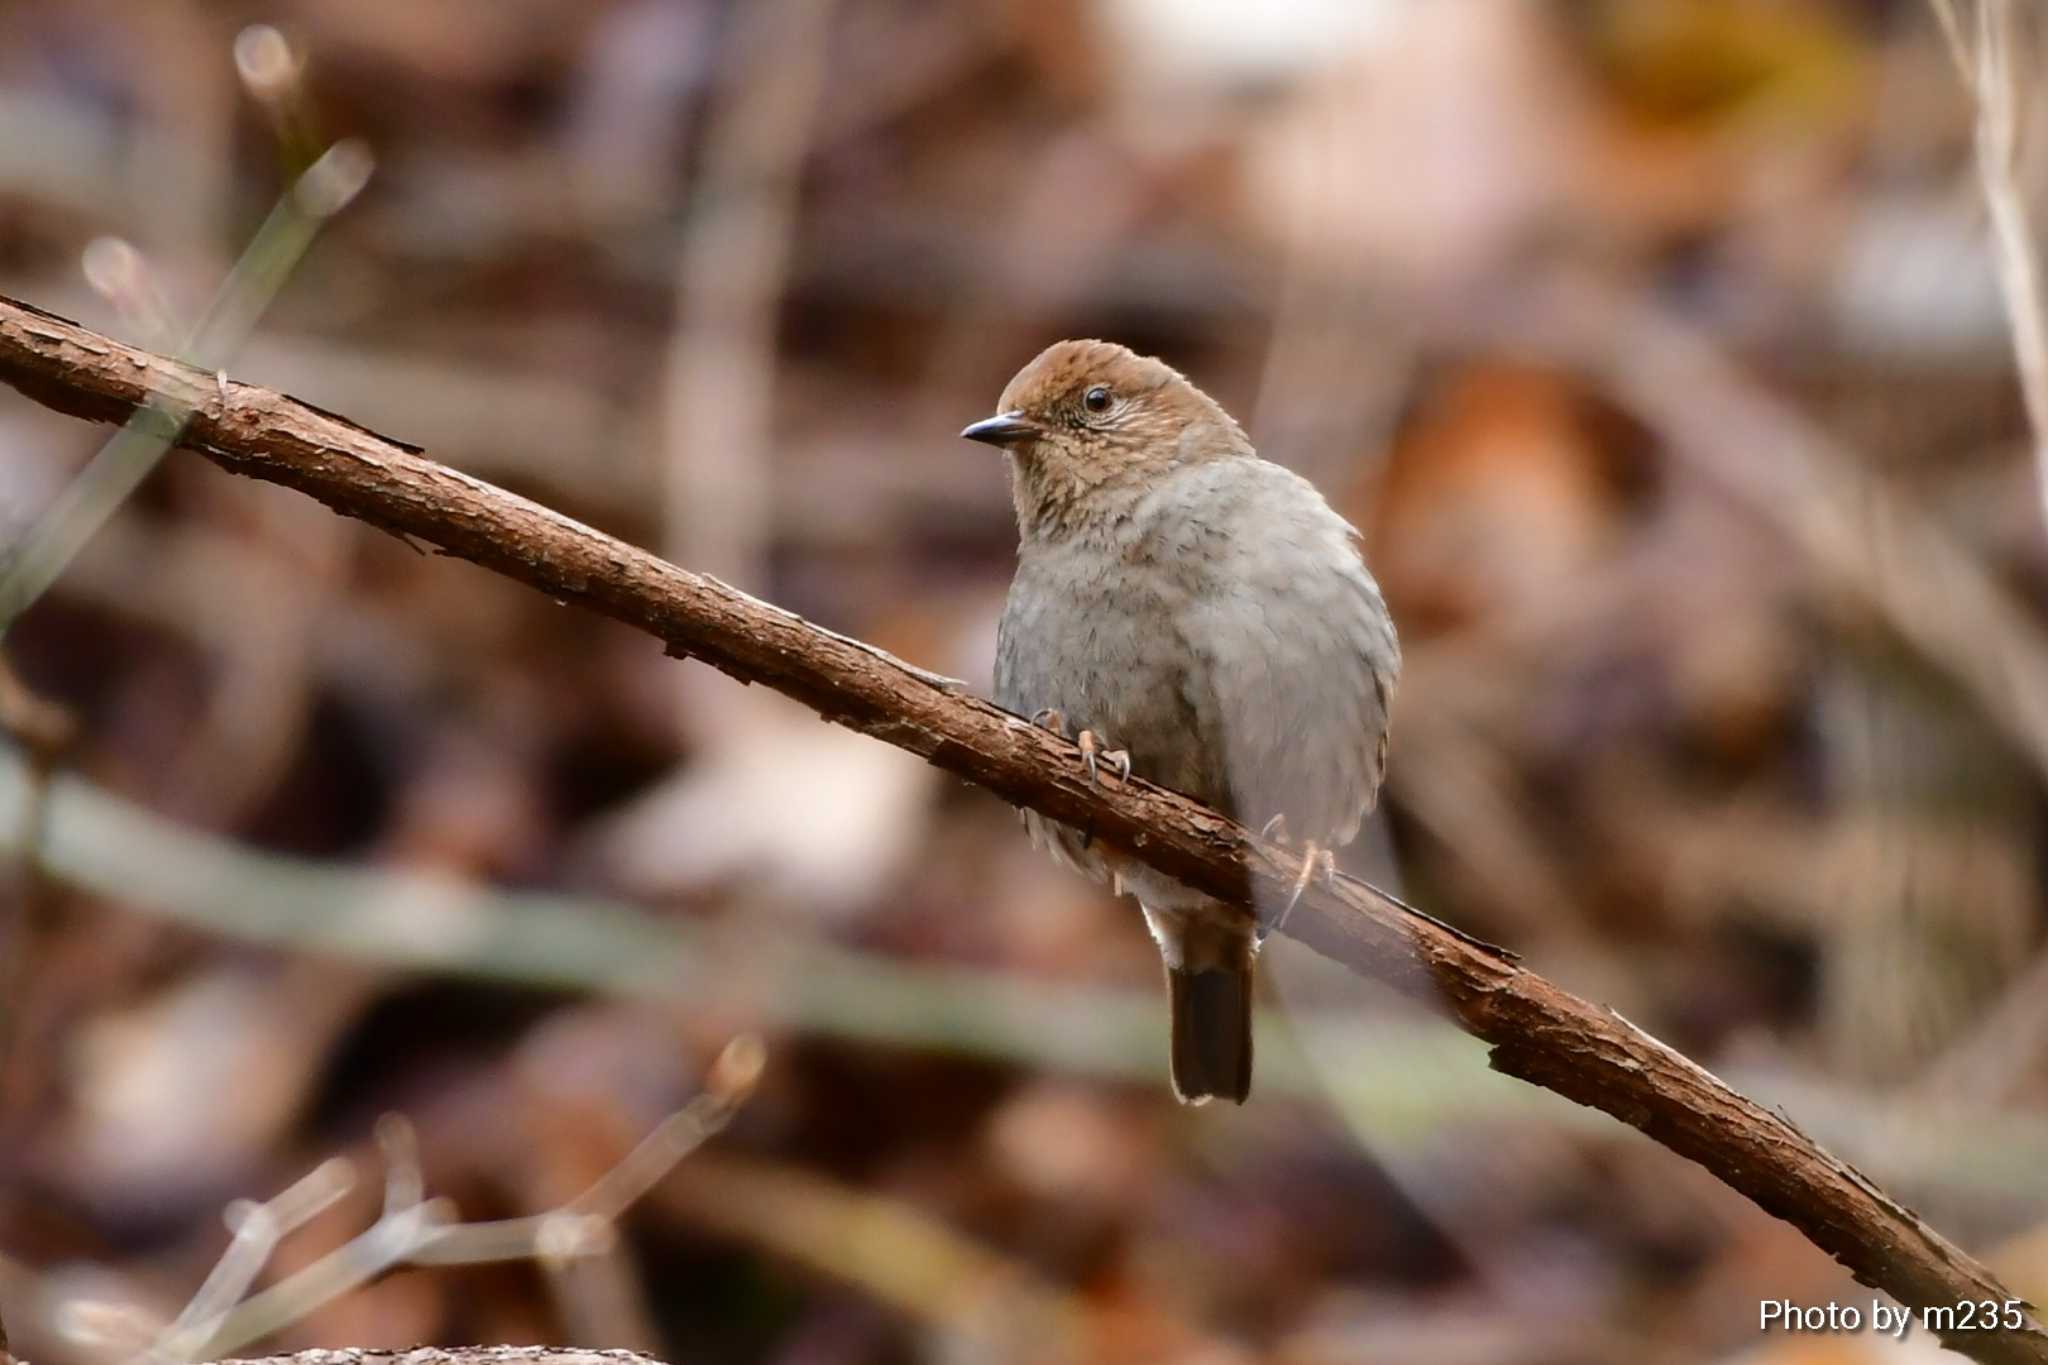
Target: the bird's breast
(1099, 640)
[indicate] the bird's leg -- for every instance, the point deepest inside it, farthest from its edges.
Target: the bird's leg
(1318, 864)
(1093, 756)
(1053, 719)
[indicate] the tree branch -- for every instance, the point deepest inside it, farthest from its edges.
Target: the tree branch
(1539, 1033)
(454, 1355)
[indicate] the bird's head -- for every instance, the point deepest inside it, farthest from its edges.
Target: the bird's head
(1088, 425)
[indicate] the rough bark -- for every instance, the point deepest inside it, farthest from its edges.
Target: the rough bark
(453, 1355)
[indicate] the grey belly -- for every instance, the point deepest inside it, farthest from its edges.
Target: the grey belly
(1113, 665)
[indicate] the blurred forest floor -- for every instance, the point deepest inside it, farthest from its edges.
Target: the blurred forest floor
(1656, 347)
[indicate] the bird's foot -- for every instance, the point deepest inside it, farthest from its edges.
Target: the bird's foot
(1318, 864)
(1276, 830)
(1094, 757)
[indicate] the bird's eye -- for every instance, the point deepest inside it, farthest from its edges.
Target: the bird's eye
(1096, 399)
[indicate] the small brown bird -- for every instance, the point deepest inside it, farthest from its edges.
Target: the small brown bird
(1197, 616)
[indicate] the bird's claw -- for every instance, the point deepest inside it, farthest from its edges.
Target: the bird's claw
(1318, 864)
(1276, 830)
(1094, 756)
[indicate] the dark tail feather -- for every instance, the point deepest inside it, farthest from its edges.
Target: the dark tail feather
(1212, 1032)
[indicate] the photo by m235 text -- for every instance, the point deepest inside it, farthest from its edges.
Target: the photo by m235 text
(1893, 1320)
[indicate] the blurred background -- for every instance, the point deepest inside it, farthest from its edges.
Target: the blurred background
(1660, 348)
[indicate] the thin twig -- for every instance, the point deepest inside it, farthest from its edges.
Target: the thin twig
(45, 732)
(1863, 538)
(154, 427)
(413, 1229)
(1952, 39)
(1984, 59)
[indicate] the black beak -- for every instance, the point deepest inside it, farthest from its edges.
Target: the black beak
(1003, 429)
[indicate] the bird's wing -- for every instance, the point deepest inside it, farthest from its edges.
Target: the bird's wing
(1296, 657)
